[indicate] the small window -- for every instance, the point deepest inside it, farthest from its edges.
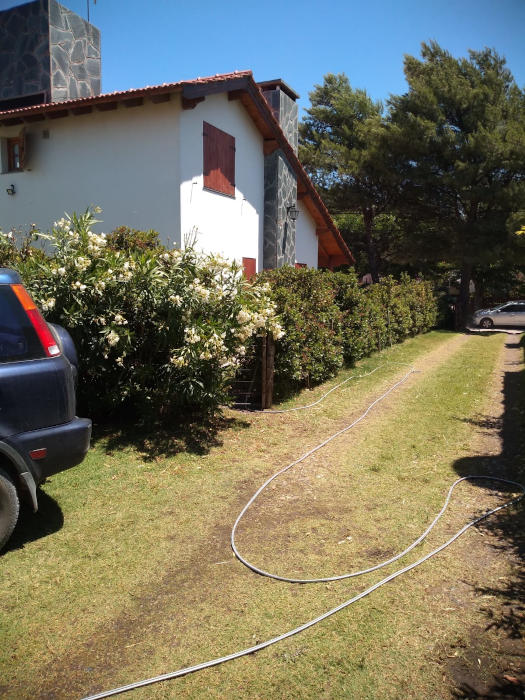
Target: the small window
(15, 153)
(219, 160)
(249, 265)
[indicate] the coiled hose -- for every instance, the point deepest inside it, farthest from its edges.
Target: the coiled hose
(262, 645)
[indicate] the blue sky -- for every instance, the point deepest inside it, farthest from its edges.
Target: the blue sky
(147, 42)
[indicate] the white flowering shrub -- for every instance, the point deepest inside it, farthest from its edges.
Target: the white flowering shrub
(154, 328)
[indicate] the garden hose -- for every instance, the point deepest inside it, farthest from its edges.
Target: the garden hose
(262, 645)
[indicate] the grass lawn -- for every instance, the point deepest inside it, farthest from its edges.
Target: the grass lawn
(127, 570)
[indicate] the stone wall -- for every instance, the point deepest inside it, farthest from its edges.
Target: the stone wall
(24, 51)
(280, 192)
(49, 52)
(285, 110)
(75, 55)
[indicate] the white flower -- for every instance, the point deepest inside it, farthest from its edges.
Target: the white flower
(178, 360)
(276, 331)
(175, 299)
(82, 263)
(61, 271)
(202, 292)
(191, 335)
(49, 304)
(120, 320)
(112, 338)
(243, 316)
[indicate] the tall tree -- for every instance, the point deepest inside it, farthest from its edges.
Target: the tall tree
(456, 141)
(340, 148)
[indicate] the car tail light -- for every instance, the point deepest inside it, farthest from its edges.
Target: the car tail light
(37, 321)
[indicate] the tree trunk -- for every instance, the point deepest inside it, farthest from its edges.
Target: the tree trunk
(463, 303)
(368, 221)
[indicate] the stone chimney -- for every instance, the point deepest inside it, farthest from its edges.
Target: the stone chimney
(280, 182)
(47, 54)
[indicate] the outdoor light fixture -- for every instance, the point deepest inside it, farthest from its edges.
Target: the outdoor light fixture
(11, 189)
(292, 212)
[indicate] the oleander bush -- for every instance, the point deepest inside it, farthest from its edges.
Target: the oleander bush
(161, 331)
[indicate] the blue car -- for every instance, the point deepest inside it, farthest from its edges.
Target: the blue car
(39, 431)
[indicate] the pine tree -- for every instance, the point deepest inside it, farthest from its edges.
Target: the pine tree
(456, 142)
(340, 148)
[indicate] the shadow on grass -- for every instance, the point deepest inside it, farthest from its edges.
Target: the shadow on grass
(33, 526)
(196, 435)
(508, 527)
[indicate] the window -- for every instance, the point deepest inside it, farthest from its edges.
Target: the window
(219, 160)
(249, 267)
(12, 152)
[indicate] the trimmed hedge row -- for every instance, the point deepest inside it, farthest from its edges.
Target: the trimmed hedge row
(329, 320)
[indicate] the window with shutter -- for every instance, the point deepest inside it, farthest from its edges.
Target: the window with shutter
(249, 268)
(15, 153)
(219, 160)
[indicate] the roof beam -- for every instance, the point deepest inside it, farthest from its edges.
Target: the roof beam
(83, 109)
(107, 106)
(133, 102)
(236, 94)
(161, 97)
(58, 114)
(34, 118)
(188, 103)
(269, 146)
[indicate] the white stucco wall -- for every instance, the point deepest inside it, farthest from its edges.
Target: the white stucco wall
(125, 161)
(232, 226)
(305, 238)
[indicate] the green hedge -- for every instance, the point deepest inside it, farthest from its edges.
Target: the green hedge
(328, 319)
(164, 331)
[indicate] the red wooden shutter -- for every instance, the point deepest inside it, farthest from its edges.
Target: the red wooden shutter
(249, 267)
(219, 160)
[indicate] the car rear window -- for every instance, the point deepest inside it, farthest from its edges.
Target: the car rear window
(18, 339)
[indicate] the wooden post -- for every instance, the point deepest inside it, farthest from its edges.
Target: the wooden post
(263, 370)
(270, 362)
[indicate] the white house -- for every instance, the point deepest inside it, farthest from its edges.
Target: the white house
(214, 157)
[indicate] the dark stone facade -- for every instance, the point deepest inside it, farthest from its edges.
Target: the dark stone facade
(280, 184)
(47, 54)
(285, 111)
(280, 192)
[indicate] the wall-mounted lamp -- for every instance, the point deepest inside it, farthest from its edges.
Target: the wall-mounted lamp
(292, 212)
(11, 189)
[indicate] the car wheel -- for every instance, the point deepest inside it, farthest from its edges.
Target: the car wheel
(486, 323)
(9, 507)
